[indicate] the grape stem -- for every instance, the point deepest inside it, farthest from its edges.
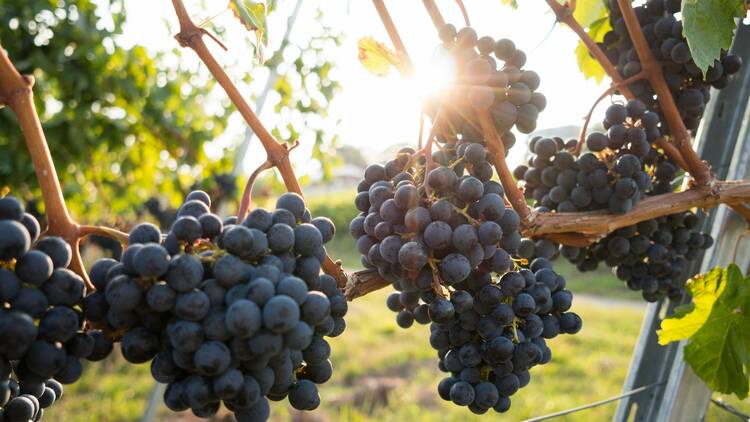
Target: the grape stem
(191, 36)
(434, 12)
(103, 231)
(611, 90)
(405, 65)
(742, 210)
(247, 193)
(497, 153)
(679, 133)
(461, 6)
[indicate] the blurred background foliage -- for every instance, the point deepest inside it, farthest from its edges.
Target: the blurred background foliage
(131, 131)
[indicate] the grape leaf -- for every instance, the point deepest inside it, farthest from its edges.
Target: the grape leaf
(589, 66)
(376, 57)
(709, 27)
(252, 15)
(717, 327)
(589, 11)
(688, 319)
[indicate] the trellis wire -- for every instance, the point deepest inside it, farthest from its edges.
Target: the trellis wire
(596, 403)
(730, 409)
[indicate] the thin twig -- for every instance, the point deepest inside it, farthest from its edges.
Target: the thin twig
(611, 90)
(742, 210)
(461, 6)
(672, 152)
(421, 129)
(76, 264)
(247, 193)
(497, 152)
(109, 232)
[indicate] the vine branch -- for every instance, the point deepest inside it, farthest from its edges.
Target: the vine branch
(434, 12)
(596, 224)
(16, 92)
(191, 36)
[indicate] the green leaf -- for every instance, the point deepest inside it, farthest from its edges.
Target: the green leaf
(717, 327)
(511, 3)
(588, 65)
(709, 27)
(252, 14)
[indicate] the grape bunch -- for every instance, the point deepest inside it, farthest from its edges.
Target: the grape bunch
(509, 93)
(226, 311)
(409, 235)
(42, 335)
(651, 256)
(621, 167)
(490, 333)
(664, 34)
(447, 231)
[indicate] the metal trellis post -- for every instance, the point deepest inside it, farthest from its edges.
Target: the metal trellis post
(724, 142)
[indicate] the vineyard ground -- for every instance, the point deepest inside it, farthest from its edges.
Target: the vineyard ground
(385, 373)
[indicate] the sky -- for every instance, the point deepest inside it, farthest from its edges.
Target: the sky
(372, 113)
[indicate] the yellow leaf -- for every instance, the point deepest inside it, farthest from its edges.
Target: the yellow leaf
(589, 11)
(588, 65)
(705, 290)
(376, 57)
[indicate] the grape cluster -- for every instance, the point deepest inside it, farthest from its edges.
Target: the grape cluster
(621, 167)
(508, 93)
(42, 336)
(651, 256)
(490, 333)
(451, 231)
(226, 311)
(664, 34)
